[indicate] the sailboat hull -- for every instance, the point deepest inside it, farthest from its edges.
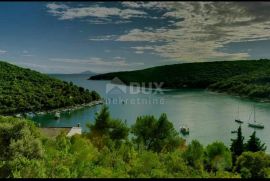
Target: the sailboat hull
(238, 121)
(255, 126)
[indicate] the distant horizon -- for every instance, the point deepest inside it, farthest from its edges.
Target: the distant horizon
(96, 73)
(102, 37)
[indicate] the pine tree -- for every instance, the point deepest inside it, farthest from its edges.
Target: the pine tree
(237, 146)
(254, 144)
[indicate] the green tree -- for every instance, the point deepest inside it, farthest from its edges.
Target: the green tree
(237, 146)
(157, 135)
(20, 143)
(254, 144)
(194, 155)
(106, 128)
(218, 157)
(118, 130)
(102, 121)
(253, 165)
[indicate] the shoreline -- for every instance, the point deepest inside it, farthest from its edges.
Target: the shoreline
(60, 110)
(71, 108)
(261, 100)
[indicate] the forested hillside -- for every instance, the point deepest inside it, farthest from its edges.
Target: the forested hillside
(23, 90)
(249, 78)
(151, 148)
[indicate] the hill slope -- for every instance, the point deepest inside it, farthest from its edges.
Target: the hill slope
(246, 77)
(23, 90)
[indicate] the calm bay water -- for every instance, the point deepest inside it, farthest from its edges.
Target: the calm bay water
(210, 116)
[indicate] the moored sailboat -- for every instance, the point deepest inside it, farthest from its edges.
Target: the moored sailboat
(255, 124)
(238, 119)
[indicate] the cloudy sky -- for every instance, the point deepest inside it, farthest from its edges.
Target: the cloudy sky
(71, 37)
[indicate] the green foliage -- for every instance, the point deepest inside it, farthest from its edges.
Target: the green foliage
(119, 130)
(25, 154)
(106, 128)
(157, 135)
(253, 165)
(249, 78)
(24, 90)
(254, 144)
(218, 157)
(102, 121)
(20, 145)
(194, 155)
(237, 146)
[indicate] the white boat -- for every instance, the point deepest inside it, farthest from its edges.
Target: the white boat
(237, 119)
(255, 124)
(184, 130)
(30, 114)
(18, 115)
(57, 115)
(40, 113)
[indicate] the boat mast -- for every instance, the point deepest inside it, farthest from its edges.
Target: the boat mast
(238, 112)
(254, 114)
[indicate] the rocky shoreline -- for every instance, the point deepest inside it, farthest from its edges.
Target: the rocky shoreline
(59, 110)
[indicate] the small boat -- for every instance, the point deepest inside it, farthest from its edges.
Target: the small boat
(40, 113)
(30, 115)
(238, 119)
(234, 131)
(57, 115)
(184, 130)
(255, 124)
(18, 115)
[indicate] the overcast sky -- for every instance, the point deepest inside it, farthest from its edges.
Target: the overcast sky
(65, 37)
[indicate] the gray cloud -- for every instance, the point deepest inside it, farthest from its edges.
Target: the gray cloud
(199, 29)
(64, 12)
(103, 38)
(96, 61)
(2, 52)
(204, 28)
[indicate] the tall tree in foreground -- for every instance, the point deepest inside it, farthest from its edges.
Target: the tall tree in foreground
(157, 135)
(253, 165)
(218, 157)
(105, 128)
(237, 146)
(194, 155)
(20, 145)
(254, 144)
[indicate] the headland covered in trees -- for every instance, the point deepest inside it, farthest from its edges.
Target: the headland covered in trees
(24, 90)
(247, 78)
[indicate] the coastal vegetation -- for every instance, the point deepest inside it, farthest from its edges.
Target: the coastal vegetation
(24, 90)
(248, 78)
(149, 148)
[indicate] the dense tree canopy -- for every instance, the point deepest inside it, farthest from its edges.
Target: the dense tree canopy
(254, 144)
(250, 78)
(105, 128)
(237, 146)
(23, 90)
(26, 153)
(253, 165)
(157, 135)
(218, 157)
